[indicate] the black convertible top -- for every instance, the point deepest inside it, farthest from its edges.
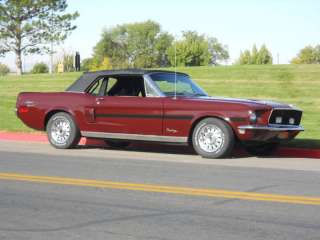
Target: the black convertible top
(88, 78)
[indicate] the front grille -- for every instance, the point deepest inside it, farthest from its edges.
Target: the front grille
(285, 117)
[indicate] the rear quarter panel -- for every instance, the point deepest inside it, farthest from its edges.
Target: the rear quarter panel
(32, 108)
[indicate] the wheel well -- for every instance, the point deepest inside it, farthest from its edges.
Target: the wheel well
(50, 114)
(194, 124)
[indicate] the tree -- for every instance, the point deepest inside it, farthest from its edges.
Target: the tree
(68, 62)
(192, 50)
(316, 54)
(165, 40)
(85, 64)
(67, 59)
(197, 50)
(263, 56)
(218, 51)
(113, 44)
(104, 65)
(93, 64)
(27, 26)
(245, 57)
(308, 55)
(254, 55)
(142, 40)
(134, 45)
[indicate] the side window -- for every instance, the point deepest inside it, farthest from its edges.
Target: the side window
(111, 83)
(125, 87)
(95, 88)
(150, 92)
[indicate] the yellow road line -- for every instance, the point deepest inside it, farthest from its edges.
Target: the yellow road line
(215, 193)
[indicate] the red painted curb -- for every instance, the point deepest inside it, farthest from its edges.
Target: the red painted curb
(23, 137)
(29, 137)
(294, 152)
(39, 137)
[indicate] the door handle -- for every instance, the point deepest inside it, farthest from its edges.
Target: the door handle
(98, 100)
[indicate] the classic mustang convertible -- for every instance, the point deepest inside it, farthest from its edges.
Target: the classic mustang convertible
(122, 106)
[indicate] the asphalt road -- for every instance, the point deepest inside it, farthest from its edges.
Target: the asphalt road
(108, 194)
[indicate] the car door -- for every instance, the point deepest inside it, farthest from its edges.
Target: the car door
(125, 113)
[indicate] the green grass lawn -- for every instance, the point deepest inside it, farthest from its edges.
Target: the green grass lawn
(295, 84)
(11, 85)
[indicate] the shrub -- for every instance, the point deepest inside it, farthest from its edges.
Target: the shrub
(40, 68)
(4, 70)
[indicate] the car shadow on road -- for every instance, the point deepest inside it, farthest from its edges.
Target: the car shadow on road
(308, 145)
(162, 148)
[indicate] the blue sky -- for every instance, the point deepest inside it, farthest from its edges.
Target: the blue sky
(285, 26)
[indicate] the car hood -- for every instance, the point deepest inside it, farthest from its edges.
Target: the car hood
(248, 102)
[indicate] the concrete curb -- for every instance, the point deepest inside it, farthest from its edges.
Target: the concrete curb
(39, 137)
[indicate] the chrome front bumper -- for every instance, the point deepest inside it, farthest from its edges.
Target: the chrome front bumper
(272, 127)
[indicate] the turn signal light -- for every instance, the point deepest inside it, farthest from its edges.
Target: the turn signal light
(283, 135)
(23, 109)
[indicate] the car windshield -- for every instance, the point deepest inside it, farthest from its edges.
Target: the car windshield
(176, 84)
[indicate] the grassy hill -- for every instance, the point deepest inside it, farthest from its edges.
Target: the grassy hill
(295, 84)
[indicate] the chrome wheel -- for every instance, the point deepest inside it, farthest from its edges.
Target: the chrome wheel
(60, 130)
(210, 138)
(213, 138)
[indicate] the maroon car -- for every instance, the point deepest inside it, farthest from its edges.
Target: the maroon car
(122, 106)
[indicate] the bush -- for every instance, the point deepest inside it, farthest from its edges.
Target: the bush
(40, 68)
(4, 70)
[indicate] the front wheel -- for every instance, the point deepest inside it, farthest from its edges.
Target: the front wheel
(62, 131)
(213, 138)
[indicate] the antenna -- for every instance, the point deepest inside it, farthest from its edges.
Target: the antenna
(175, 68)
(51, 44)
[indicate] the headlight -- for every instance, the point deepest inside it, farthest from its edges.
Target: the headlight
(252, 117)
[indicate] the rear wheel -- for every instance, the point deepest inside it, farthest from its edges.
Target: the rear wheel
(117, 143)
(213, 138)
(62, 131)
